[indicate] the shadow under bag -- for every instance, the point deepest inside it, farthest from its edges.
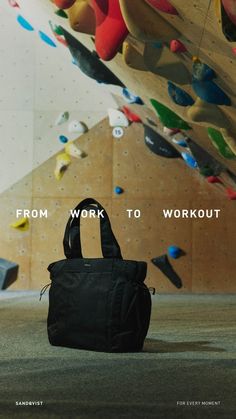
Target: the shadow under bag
(97, 304)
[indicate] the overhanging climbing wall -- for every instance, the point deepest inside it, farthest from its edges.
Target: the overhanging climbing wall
(151, 183)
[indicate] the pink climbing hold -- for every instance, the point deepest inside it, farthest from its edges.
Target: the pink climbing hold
(230, 8)
(132, 117)
(214, 179)
(177, 46)
(164, 6)
(231, 194)
(234, 50)
(13, 3)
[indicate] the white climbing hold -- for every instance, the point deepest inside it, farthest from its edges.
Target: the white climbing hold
(117, 118)
(73, 150)
(77, 126)
(63, 161)
(62, 118)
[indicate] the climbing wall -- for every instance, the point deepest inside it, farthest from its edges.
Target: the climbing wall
(150, 183)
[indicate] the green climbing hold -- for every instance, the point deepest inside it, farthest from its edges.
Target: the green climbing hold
(219, 142)
(61, 13)
(169, 118)
(56, 29)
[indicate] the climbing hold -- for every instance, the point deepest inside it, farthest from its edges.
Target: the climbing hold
(88, 63)
(231, 194)
(177, 46)
(168, 117)
(204, 160)
(210, 92)
(170, 131)
(61, 13)
(230, 8)
(73, 150)
(181, 143)
(201, 71)
(24, 23)
(144, 23)
(226, 10)
(229, 139)
(189, 160)
(22, 224)
(179, 96)
(13, 3)
(109, 19)
(175, 252)
(118, 190)
(62, 163)
(57, 30)
(202, 111)
(63, 139)
(163, 5)
(132, 117)
(82, 17)
(132, 57)
(117, 118)
(214, 179)
(162, 263)
(77, 126)
(158, 144)
(131, 97)
(62, 118)
(219, 142)
(64, 4)
(45, 38)
(157, 44)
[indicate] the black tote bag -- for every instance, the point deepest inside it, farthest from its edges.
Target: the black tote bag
(97, 304)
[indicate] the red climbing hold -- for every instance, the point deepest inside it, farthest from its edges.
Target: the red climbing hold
(231, 194)
(61, 39)
(109, 20)
(230, 8)
(132, 117)
(214, 179)
(234, 50)
(163, 5)
(64, 4)
(177, 46)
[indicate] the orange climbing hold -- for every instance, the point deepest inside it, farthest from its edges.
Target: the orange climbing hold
(132, 117)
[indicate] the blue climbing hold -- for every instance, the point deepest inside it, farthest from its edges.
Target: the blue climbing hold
(24, 23)
(189, 160)
(181, 143)
(45, 38)
(179, 96)
(174, 252)
(131, 97)
(210, 92)
(158, 45)
(202, 72)
(118, 190)
(63, 139)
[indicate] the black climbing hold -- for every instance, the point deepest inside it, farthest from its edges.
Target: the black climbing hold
(158, 144)
(162, 262)
(205, 160)
(88, 62)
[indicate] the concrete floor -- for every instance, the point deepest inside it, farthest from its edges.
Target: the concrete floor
(189, 356)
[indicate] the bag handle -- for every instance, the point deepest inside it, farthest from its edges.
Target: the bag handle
(72, 241)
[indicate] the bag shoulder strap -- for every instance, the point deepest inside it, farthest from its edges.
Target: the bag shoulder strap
(72, 240)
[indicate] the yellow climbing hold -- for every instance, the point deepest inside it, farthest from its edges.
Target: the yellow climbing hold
(62, 163)
(22, 224)
(73, 151)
